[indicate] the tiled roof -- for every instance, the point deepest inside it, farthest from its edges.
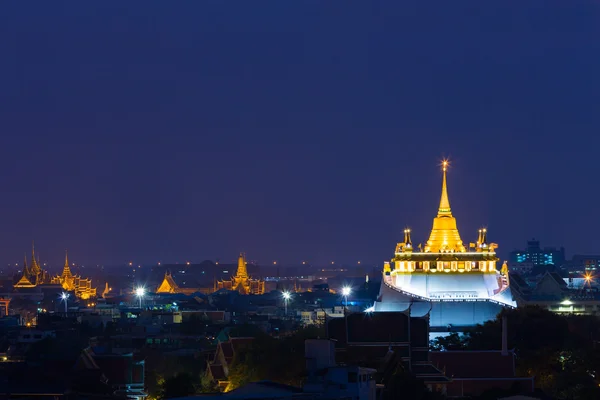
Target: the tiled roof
(217, 372)
(227, 349)
(474, 364)
(370, 328)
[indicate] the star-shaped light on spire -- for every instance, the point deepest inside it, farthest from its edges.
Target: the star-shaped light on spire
(445, 164)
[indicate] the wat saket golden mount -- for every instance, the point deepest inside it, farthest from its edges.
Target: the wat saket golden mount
(454, 284)
(444, 251)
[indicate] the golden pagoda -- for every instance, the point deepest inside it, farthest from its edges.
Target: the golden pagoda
(242, 282)
(33, 275)
(444, 274)
(74, 283)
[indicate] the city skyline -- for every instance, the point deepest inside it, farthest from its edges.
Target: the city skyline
(203, 130)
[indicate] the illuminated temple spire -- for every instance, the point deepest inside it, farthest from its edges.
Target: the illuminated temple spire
(444, 235)
(242, 272)
(444, 202)
(66, 269)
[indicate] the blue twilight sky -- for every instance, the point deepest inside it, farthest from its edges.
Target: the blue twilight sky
(294, 130)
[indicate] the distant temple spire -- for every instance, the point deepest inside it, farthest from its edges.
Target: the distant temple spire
(242, 282)
(242, 271)
(66, 269)
(25, 268)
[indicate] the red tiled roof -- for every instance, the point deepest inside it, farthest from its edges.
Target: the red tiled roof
(474, 364)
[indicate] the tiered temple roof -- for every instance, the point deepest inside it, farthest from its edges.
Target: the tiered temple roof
(242, 282)
(34, 275)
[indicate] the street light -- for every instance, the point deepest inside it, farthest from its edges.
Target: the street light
(64, 297)
(588, 279)
(286, 297)
(346, 290)
(140, 292)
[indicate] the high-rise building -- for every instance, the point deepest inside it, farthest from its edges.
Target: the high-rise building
(457, 285)
(536, 255)
(583, 264)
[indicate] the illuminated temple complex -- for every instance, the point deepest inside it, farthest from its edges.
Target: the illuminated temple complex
(34, 276)
(456, 285)
(242, 282)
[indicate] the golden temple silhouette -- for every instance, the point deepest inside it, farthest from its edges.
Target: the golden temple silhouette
(34, 276)
(242, 282)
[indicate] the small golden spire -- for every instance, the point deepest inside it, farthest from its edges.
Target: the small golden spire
(407, 239)
(444, 202)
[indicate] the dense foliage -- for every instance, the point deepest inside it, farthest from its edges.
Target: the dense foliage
(279, 360)
(561, 351)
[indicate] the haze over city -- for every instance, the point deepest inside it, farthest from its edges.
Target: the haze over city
(204, 129)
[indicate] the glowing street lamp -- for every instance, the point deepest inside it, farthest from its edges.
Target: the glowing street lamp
(346, 290)
(588, 279)
(64, 296)
(286, 297)
(140, 292)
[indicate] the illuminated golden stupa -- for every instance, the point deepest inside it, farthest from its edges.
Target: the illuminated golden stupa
(242, 282)
(455, 285)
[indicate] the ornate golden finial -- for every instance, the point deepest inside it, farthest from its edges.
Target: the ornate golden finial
(407, 239)
(66, 258)
(444, 208)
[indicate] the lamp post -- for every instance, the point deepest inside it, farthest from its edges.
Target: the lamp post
(346, 292)
(140, 292)
(64, 297)
(286, 297)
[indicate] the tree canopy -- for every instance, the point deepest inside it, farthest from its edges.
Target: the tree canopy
(560, 351)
